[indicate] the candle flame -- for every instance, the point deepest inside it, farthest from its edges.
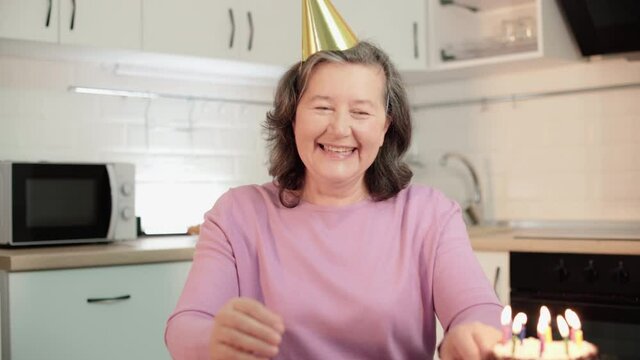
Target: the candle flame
(543, 323)
(562, 326)
(518, 321)
(522, 317)
(505, 317)
(572, 319)
(545, 314)
(516, 327)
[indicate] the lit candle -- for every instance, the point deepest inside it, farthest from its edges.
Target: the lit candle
(576, 326)
(522, 320)
(516, 328)
(544, 311)
(563, 328)
(505, 320)
(542, 328)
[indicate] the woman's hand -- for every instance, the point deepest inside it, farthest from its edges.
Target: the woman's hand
(472, 341)
(245, 329)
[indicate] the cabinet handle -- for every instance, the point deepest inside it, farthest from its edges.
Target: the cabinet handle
(73, 14)
(233, 28)
(48, 14)
(496, 277)
(108, 299)
(250, 18)
(415, 40)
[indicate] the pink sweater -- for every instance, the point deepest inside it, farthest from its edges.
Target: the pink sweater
(362, 281)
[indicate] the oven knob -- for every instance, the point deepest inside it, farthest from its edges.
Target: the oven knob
(561, 271)
(127, 213)
(590, 272)
(620, 274)
(126, 189)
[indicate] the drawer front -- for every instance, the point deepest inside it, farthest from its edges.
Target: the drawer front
(51, 318)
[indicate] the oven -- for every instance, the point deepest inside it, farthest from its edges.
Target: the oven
(603, 289)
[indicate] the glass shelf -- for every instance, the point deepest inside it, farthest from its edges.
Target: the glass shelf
(488, 47)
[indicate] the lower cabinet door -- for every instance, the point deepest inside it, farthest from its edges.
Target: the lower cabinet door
(94, 313)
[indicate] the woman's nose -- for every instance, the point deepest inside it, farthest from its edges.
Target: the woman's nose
(341, 123)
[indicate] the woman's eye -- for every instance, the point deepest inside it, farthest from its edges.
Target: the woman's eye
(361, 113)
(323, 108)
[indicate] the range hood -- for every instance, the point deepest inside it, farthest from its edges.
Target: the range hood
(603, 27)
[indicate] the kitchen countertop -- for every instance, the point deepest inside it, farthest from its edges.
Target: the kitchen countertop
(139, 251)
(180, 248)
(504, 239)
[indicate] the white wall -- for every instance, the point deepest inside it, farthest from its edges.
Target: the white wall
(572, 157)
(567, 157)
(186, 153)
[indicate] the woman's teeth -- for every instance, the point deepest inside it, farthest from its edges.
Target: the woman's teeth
(338, 149)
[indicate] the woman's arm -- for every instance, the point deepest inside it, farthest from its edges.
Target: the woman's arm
(212, 282)
(464, 300)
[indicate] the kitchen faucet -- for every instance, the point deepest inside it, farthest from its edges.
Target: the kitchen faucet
(474, 209)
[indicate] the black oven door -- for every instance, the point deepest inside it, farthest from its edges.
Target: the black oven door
(58, 203)
(603, 289)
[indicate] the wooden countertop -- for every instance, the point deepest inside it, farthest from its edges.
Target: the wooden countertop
(502, 239)
(181, 248)
(140, 251)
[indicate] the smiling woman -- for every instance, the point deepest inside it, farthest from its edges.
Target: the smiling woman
(339, 257)
(338, 135)
(351, 122)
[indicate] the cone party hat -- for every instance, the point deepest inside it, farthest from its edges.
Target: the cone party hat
(323, 28)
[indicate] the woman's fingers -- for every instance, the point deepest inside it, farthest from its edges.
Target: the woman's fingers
(224, 351)
(465, 348)
(247, 343)
(251, 326)
(259, 312)
(245, 326)
(469, 341)
(486, 338)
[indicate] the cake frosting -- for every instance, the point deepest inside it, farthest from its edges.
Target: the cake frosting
(556, 350)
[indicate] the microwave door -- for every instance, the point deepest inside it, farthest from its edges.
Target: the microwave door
(54, 203)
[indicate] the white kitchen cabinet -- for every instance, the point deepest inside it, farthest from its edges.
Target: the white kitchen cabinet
(29, 20)
(498, 32)
(48, 314)
(399, 28)
(262, 31)
(112, 24)
(496, 267)
(277, 32)
(191, 27)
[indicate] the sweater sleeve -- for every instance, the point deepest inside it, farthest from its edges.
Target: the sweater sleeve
(461, 291)
(212, 281)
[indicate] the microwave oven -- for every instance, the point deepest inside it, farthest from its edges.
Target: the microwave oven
(66, 203)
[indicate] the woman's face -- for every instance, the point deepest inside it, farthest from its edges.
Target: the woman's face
(341, 122)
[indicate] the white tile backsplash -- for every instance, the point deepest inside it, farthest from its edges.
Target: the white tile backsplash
(186, 152)
(569, 157)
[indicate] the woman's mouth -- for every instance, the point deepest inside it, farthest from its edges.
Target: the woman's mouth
(337, 149)
(340, 151)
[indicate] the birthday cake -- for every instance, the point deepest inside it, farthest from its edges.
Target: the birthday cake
(556, 350)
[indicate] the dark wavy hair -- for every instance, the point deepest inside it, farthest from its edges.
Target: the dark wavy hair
(387, 175)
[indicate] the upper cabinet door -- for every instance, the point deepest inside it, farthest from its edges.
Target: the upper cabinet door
(193, 27)
(271, 32)
(29, 20)
(113, 23)
(397, 27)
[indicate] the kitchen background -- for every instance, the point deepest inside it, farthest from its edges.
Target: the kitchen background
(571, 157)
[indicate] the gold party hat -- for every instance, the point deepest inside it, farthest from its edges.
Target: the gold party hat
(323, 28)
